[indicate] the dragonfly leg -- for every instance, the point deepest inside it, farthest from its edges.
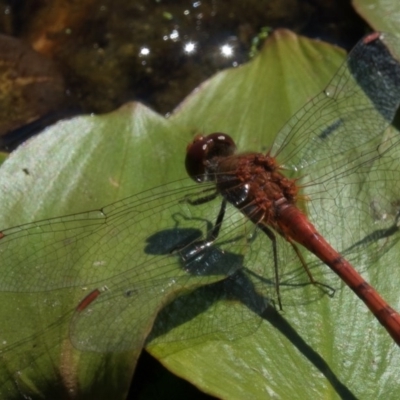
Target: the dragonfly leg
(308, 272)
(213, 234)
(201, 200)
(272, 237)
(195, 248)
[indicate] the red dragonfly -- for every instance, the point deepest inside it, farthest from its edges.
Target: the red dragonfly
(272, 190)
(255, 184)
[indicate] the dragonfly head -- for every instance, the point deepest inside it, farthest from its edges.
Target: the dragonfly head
(204, 148)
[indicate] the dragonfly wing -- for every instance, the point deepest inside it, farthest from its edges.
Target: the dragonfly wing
(343, 125)
(91, 247)
(347, 165)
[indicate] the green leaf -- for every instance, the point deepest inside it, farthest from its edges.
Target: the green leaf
(218, 334)
(382, 15)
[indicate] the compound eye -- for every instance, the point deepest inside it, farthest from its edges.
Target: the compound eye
(204, 148)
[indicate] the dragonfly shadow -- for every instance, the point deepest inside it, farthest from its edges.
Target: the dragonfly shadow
(396, 120)
(195, 256)
(229, 309)
(374, 238)
(168, 240)
(278, 322)
(362, 67)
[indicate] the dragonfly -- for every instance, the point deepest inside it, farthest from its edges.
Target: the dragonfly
(254, 182)
(124, 281)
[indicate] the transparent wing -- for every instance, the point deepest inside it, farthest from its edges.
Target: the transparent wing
(347, 164)
(179, 288)
(125, 262)
(343, 124)
(86, 248)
